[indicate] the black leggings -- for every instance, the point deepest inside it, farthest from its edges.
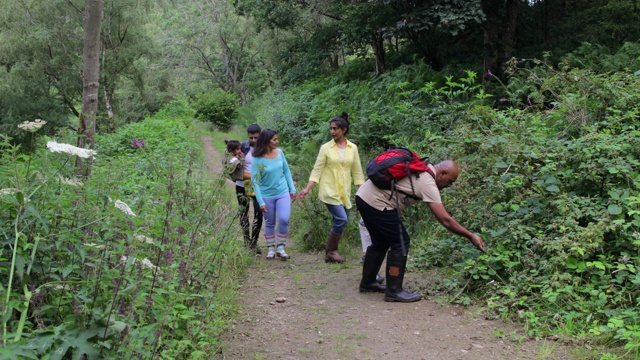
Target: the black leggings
(385, 227)
(243, 201)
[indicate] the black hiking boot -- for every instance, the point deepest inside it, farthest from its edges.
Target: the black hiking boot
(396, 265)
(372, 262)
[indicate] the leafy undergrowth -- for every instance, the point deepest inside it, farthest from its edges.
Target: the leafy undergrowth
(549, 178)
(140, 260)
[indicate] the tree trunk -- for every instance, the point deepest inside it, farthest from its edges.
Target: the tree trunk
(491, 34)
(378, 52)
(513, 6)
(90, 82)
(108, 98)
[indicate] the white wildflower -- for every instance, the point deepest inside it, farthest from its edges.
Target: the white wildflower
(124, 207)
(40, 177)
(144, 239)
(636, 235)
(70, 149)
(69, 181)
(8, 191)
(32, 126)
(94, 245)
(146, 262)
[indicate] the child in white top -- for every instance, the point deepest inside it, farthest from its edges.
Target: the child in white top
(235, 165)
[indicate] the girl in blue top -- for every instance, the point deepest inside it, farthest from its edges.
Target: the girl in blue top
(274, 190)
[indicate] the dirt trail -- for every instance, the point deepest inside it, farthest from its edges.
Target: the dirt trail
(306, 309)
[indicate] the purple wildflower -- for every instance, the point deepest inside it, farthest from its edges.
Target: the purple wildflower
(169, 257)
(529, 100)
(123, 308)
(77, 309)
(142, 144)
(489, 73)
(135, 143)
(503, 100)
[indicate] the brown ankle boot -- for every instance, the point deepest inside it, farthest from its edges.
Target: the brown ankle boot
(331, 251)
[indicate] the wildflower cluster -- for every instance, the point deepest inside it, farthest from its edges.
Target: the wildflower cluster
(32, 126)
(138, 143)
(69, 181)
(145, 262)
(124, 207)
(144, 239)
(9, 191)
(70, 149)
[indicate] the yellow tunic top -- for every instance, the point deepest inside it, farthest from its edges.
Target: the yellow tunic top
(333, 172)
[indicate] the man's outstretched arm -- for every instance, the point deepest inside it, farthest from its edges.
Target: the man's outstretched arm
(452, 225)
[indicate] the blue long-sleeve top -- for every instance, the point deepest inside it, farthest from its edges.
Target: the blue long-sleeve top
(271, 177)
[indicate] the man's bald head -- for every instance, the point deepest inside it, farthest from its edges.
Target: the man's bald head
(446, 173)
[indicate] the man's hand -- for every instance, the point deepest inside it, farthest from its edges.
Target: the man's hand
(477, 241)
(263, 208)
(452, 225)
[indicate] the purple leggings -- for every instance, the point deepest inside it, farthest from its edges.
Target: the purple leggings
(278, 208)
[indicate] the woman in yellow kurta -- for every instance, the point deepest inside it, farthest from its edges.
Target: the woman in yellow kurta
(337, 164)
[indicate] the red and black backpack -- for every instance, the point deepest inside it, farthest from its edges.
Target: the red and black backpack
(386, 169)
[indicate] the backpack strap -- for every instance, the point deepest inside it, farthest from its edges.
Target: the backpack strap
(244, 147)
(431, 173)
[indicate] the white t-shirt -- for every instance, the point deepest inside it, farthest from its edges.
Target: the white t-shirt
(248, 159)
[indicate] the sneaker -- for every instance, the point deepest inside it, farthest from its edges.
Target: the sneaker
(271, 254)
(282, 255)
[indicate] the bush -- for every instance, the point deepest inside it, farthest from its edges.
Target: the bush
(135, 261)
(219, 108)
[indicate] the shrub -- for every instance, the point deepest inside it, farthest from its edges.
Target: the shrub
(218, 108)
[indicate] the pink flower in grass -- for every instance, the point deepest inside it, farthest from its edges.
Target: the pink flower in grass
(489, 73)
(135, 143)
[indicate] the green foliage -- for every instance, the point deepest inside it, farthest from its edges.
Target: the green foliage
(601, 59)
(549, 178)
(218, 108)
(552, 190)
(125, 264)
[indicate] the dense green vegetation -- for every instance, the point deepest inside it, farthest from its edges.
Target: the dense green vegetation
(537, 101)
(122, 264)
(550, 181)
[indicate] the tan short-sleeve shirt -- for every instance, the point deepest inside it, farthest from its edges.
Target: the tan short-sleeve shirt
(424, 187)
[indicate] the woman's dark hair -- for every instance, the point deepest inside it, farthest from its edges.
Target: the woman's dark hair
(262, 144)
(232, 145)
(342, 122)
